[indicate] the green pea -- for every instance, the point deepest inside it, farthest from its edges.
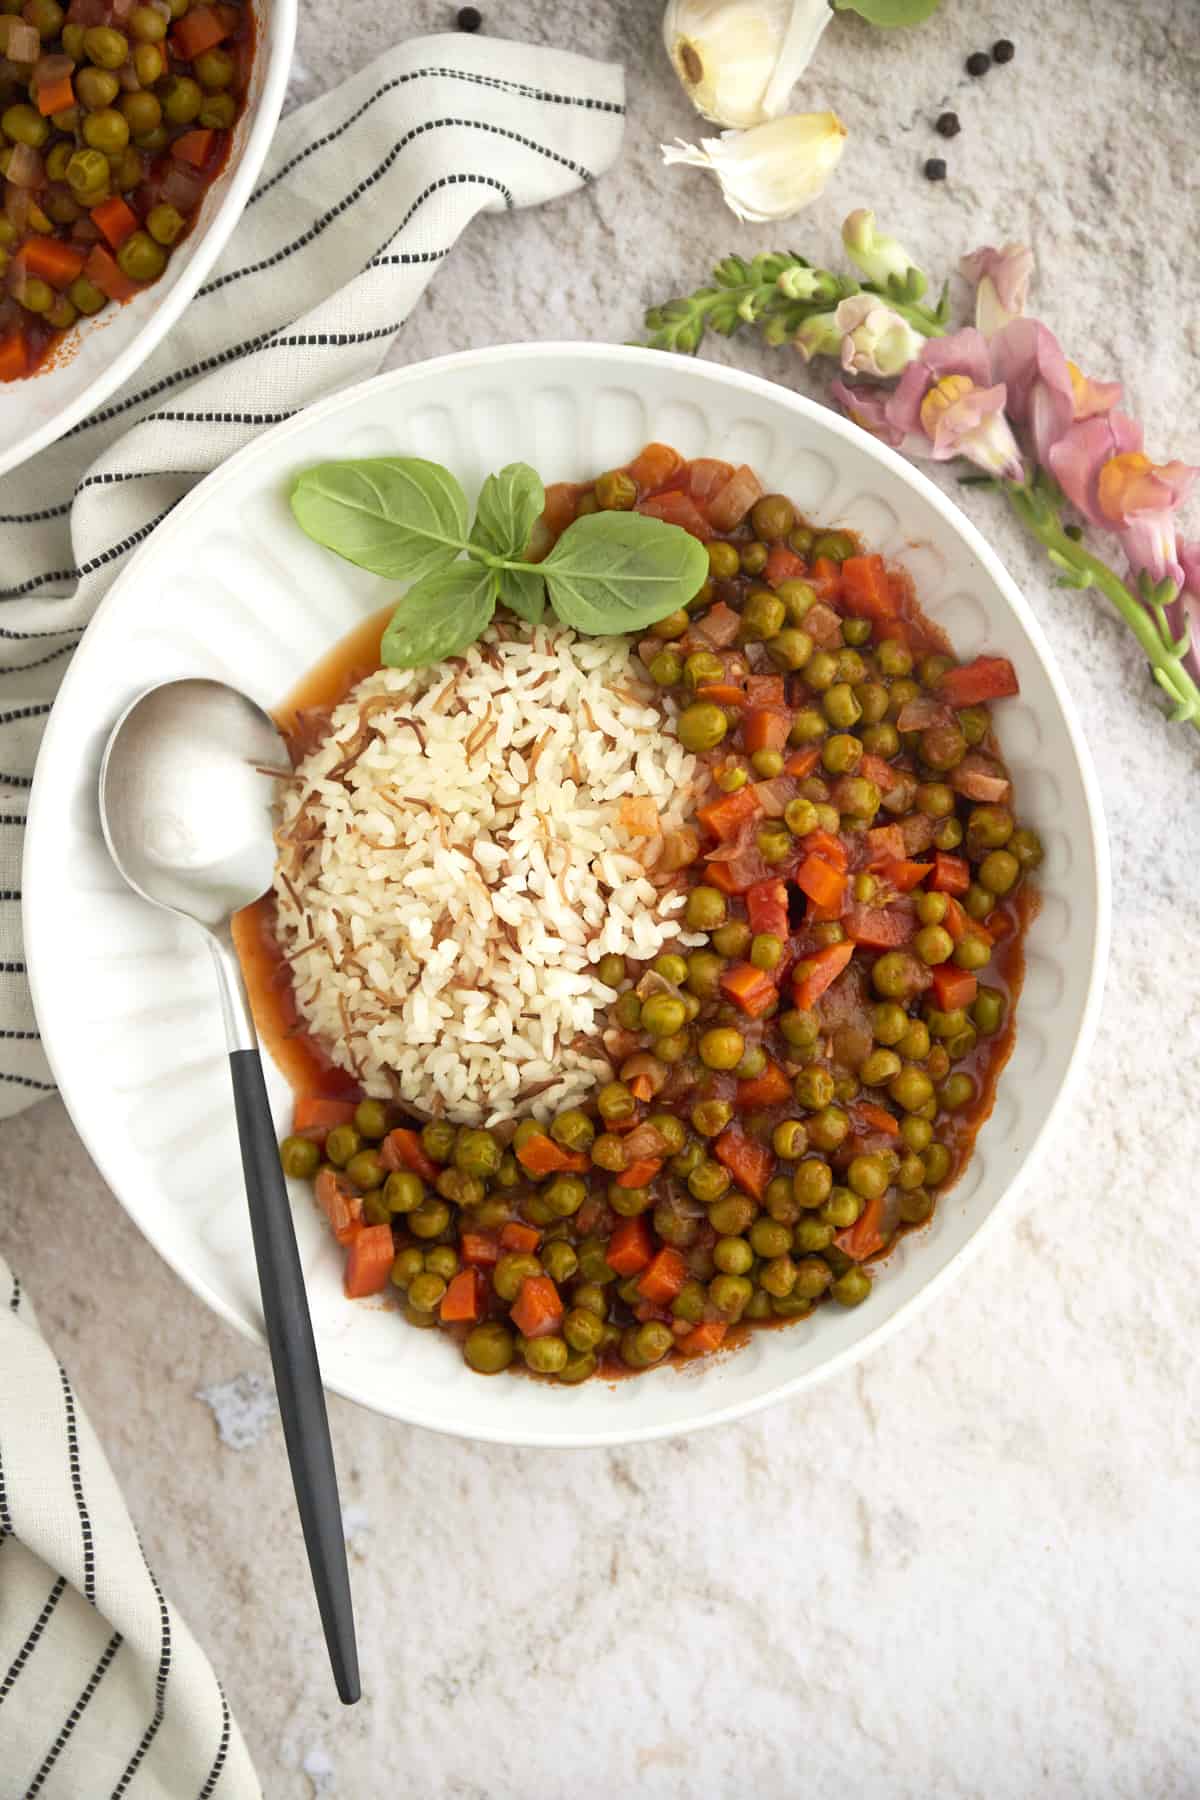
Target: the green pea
(25, 125)
(95, 88)
(766, 951)
(733, 1256)
(545, 1355)
(852, 1288)
(371, 1119)
(948, 834)
(514, 1268)
(914, 1045)
(856, 797)
(813, 1275)
(732, 1214)
(675, 624)
(731, 939)
(701, 726)
(107, 48)
(916, 1205)
(573, 1130)
(366, 1169)
(889, 1022)
(706, 909)
(933, 944)
(142, 112)
(895, 975)
(881, 740)
(704, 974)
(767, 763)
(36, 296)
(962, 1043)
(438, 1138)
(710, 1117)
(609, 1153)
(974, 722)
(578, 1368)
(559, 1259)
(628, 1011)
(464, 1190)
(214, 69)
(673, 1049)
(822, 671)
(342, 1143)
(1000, 871)
(842, 1208)
(879, 1068)
(752, 1063)
(429, 1219)
(789, 1139)
(85, 296)
(616, 491)
(840, 706)
(564, 1195)
(774, 842)
(611, 970)
(426, 1292)
(942, 746)
(107, 130)
(790, 648)
(937, 1160)
(489, 1349)
(841, 753)
(956, 1092)
(915, 1132)
(590, 1297)
(300, 1158)
(868, 1176)
(911, 1088)
(615, 1102)
(666, 669)
(812, 1183)
(182, 99)
(442, 1260)
(772, 518)
(407, 1265)
(971, 952)
(932, 908)
(709, 1181)
(828, 1128)
(1026, 846)
(723, 560)
(730, 1294)
(800, 1029)
(988, 1010)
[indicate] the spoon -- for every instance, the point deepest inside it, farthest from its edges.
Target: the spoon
(185, 802)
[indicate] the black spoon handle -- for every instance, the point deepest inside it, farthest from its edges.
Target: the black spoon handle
(297, 1371)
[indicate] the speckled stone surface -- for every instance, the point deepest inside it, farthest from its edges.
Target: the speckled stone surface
(970, 1567)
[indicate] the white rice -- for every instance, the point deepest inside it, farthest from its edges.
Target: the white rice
(452, 867)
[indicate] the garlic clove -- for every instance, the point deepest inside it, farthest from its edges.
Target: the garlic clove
(773, 170)
(738, 60)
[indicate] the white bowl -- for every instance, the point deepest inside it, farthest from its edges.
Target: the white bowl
(101, 353)
(228, 586)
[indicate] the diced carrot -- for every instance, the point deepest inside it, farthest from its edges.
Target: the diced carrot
(767, 907)
(951, 874)
(724, 875)
(194, 147)
(728, 504)
(342, 1208)
(675, 509)
(654, 465)
(749, 988)
(103, 272)
(723, 817)
(874, 768)
(369, 1262)
(878, 927)
(540, 1155)
(802, 762)
(824, 843)
(885, 843)
(782, 565)
(54, 261)
(825, 578)
(820, 881)
(312, 1112)
(820, 970)
(987, 678)
(13, 356)
(703, 1338)
(877, 1117)
(199, 29)
(517, 1236)
(750, 1163)
(462, 1302)
(823, 915)
(55, 96)
(865, 1236)
(904, 875)
(765, 690)
(629, 1247)
(953, 987)
(866, 591)
(478, 1249)
(641, 1087)
(640, 1173)
(562, 499)
(403, 1149)
(722, 693)
(664, 1275)
(771, 1088)
(765, 728)
(999, 924)
(538, 1309)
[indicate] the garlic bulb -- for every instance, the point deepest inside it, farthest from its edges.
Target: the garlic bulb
(738, 60)
(772, 171)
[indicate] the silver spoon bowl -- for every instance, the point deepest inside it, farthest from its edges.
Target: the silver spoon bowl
(185, 803)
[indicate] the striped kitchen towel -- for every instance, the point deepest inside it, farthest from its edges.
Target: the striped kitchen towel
(103, 1692)
(363, 194)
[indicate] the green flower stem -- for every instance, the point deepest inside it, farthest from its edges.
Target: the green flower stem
(1037, 510)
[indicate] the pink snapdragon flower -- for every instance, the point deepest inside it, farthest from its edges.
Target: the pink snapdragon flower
(1001, 280)
(1102, 468)
(868, 408)
(1188, 608)
(876, 340)
(1028, 359)
(947, 405)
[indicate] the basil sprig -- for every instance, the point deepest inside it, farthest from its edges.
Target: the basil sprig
(406, 519)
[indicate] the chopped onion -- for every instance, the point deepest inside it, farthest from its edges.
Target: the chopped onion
(121, 9)
(977, 777)
(919, 713)
(730, 505)
(16, 207)
(49, 70)
(679, 849)
(21, 42)
(645, 1140)
(25, 167)
(644, 1064)
(182, 187)
(127, 75)
(773, 796)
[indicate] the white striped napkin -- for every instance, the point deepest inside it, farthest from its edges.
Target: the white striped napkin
(103, 1692)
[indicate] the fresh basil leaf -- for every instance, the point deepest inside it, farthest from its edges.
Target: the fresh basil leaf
(439, 616)
(619, 571)
(890, 12)
(509, 506)
(523, 591)
(398, 516)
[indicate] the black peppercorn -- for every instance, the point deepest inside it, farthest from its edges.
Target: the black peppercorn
(978, 63)
(935, 169)
(1004, 51)
(948, 124)
(469, 18)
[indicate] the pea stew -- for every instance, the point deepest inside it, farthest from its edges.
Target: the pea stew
(115, 116)
(797, 1091)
